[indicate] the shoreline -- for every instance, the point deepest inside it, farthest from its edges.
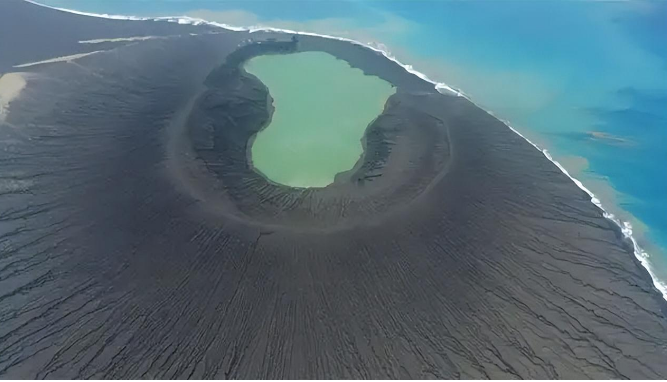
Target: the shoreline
(625, 227)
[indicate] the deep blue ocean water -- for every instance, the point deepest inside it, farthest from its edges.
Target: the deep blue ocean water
(585, 79)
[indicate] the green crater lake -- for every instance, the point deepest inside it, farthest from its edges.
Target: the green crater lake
(322, 109)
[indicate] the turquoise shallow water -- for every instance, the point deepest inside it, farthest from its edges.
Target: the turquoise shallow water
(585, 79)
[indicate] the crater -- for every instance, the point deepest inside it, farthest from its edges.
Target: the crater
(332, 168)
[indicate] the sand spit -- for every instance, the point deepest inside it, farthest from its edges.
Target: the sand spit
(11, 85)
(58, 59)
(121, 39)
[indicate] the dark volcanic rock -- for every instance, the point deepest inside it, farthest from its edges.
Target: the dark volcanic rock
(137, 241)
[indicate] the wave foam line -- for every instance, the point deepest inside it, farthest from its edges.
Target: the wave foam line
(625, 227)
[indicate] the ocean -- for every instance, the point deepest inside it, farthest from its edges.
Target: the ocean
(586, 80)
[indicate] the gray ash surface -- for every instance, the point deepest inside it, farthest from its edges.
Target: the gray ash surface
(137, 242)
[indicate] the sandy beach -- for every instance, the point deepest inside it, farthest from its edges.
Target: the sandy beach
(11, 85)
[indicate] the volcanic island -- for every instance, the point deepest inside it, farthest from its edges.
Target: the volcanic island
(180, 200)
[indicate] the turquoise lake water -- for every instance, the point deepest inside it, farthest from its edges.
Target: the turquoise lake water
(585, 79)
(315, 131)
